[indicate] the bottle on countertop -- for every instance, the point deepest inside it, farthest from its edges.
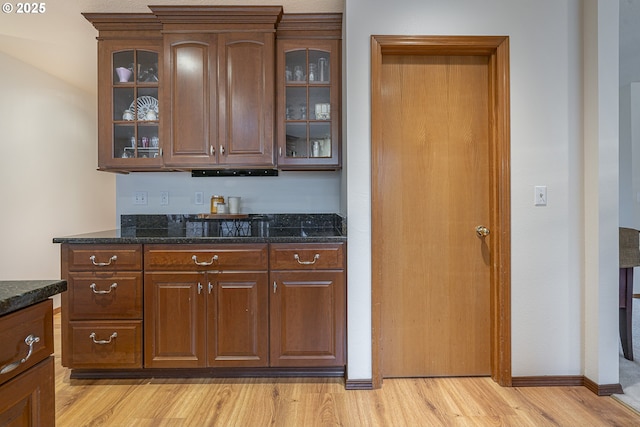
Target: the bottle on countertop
(215, 200)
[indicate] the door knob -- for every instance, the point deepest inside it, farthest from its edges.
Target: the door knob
(482, 231)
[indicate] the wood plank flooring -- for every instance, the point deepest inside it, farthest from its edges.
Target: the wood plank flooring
(302, 402)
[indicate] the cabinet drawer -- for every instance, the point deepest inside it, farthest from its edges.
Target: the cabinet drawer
(205, 257)
(104, 295)
(104, 257)
(105, 344)
(311, 256)
(27, 332)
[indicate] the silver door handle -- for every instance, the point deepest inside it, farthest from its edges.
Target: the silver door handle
(102, 342)
(102, 264)
(482, 231)
(30, 340)
(313, 261)
(112, 287)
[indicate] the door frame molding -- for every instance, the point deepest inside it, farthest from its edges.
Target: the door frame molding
(496, 48)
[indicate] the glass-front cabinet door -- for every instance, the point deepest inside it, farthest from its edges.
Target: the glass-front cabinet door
(308, 105)
(129, 121)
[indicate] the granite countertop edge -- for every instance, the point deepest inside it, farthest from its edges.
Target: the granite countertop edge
(97, 239)
(18, 294)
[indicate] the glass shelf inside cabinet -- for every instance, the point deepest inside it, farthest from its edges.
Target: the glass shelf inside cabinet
(136, 111)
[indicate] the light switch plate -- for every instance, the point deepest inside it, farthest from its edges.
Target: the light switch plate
(164, 197)
(199, 198)
(540, 195)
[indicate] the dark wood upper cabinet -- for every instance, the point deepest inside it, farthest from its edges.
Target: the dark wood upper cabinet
(220, 78)
(308, 86)
(129, 86)
(227, 86)
(191, 99)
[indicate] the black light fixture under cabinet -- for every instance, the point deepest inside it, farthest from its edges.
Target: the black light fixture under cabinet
(200, 173)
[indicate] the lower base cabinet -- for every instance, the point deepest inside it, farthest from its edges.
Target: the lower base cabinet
(195, 320)
(307, 318)
(26, 367)
(190, 307)
(28, 399)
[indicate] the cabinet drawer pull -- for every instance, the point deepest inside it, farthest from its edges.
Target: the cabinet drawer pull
(315, 258)
(30, 340)
(102, 342)
(204, 263)
(102, 264)
(112, 287)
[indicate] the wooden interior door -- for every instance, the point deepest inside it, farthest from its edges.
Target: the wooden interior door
(433, 176)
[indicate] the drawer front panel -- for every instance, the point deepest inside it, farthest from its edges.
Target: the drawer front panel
(24, 330)
(104, 257)
(106, 344)
(205, 257)
(312, 256)
(105, 295)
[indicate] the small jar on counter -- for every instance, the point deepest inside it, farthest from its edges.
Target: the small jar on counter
(215, 200)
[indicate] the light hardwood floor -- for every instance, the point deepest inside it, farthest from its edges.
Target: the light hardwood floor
(304, 402)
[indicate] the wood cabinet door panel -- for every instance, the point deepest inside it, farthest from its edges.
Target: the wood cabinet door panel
(100, 344)
(307, 318)
(15, 328)
(208, 257)
(82, 257)
(28, 400)
(104, 295)
(246, 98)
(190, 101)
(238, 319)
(310, 256)
(174, 320)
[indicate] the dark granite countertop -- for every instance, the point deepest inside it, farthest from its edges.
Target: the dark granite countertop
(176, 229)
(18, 294)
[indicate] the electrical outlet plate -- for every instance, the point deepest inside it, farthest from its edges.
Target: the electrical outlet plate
(540, 195)
(164, 197)
(140, 198)
(199, 198)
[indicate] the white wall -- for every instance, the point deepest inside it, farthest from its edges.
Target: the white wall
(546, 141)
(48, 183)
(289, 192)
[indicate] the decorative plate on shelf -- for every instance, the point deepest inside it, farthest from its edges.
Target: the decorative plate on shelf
(143, 105)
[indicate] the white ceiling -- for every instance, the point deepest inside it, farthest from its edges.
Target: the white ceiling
(62, 43)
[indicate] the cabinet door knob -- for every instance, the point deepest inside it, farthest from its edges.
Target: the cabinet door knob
(199, 288)
(212, 150)
(275, 286)
(210, 287)
(222, 149)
